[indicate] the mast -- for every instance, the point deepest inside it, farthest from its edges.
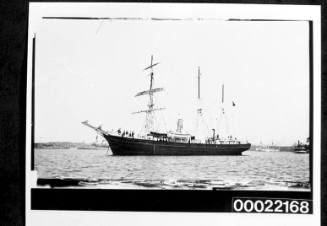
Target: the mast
(149, 113)
(222, 122)
(199, 74)
(222, 94)
(199, 110)
(222, 99)
(200, 124)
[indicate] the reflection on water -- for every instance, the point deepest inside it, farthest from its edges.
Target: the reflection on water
(252, 170)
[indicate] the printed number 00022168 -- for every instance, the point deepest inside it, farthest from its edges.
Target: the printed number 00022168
(266, 205)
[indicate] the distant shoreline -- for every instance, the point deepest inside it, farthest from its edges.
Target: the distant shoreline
(69, 145)
(281, 148)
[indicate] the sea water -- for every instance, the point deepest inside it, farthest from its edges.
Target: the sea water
(251, 170)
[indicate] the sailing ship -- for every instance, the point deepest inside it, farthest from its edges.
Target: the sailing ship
(152, 142)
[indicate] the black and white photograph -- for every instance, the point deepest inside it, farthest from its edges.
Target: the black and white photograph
(171, 97)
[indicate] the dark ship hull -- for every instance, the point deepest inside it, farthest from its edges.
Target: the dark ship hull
(132, 146)
(302, 149)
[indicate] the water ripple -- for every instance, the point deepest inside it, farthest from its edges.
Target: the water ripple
(253, 170)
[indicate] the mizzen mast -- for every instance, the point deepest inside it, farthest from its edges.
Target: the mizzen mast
(222, 122)
(222, 98)
(199, 74)
(149, 119)
(222, 94)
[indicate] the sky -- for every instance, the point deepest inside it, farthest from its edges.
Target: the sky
(91, 70)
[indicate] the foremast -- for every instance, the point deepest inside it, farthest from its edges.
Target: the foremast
(150, 111)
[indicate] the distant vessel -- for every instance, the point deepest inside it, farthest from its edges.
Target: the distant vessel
(152, 142)
(267, 148)
(301, 148)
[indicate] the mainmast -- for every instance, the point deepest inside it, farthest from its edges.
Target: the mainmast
(149, 118)
(199, 110)
(200, 124)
